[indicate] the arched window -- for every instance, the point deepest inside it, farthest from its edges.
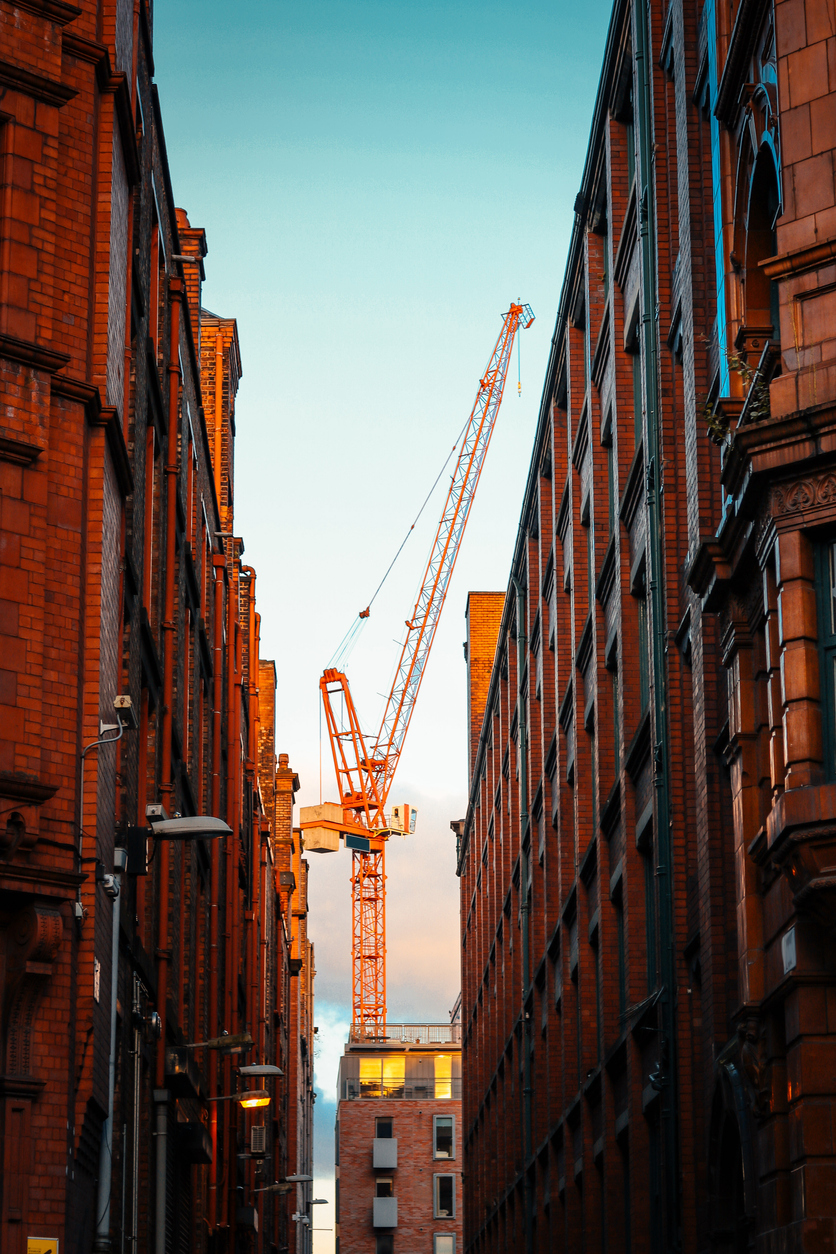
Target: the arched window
(760, 292)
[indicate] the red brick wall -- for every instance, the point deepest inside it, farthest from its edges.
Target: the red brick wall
(413, 1178)
(483, 614)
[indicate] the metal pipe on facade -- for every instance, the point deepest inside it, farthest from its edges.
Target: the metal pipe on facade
(136, 1005)
(219, 405)
(172, 471)
(102, 1241)
(161, 1134)
(215, 874)
(525, 837)
(666, 1074)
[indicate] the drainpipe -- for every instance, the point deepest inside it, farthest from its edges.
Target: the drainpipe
(522, 726)
(172, 470)
(665, 1077)
(232, 899)
(219, 563)
(114, 889)
(219, 405)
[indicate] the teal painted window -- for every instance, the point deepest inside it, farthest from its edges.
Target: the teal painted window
(650, 919)
(606, 243)
(631, 152)
(826, 586)
(644, 676)
(637, 397)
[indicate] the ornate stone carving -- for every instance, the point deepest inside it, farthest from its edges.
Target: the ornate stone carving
(32, 943)
(754, 1062)
(802, 495)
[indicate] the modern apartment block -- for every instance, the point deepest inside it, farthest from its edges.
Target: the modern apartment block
(398, 1142)
(648, 967)
(152, 903)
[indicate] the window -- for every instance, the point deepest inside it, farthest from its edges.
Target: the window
(444, 1197)
(384, 1187)
(383, 1129)
(444, 1075)
(826, 586)
(382, 1077)
(637, 395)
(444, 1145)
(444, 1243)
(385, 1244)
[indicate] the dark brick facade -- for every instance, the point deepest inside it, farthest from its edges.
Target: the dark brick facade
(121, 575)
(646, 875)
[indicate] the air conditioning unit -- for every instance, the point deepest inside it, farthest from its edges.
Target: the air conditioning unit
(258, 1141)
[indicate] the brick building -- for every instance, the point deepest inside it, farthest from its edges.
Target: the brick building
(131, 678)
(648, 1034)
(398, 1146)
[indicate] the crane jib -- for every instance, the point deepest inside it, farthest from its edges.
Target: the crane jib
(365, 773)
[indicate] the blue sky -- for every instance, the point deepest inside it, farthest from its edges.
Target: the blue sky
(377, 181)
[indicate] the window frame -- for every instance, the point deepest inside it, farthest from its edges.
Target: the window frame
(437, 1176)
(441, 1157)
(825, 567)
(379, 1119)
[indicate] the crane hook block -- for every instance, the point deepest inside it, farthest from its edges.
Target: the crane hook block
(366, 612)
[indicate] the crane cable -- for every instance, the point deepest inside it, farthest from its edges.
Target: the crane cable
(346, 645)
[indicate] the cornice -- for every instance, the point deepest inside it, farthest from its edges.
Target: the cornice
(35, 85)
(19, 452)
(55, 10)
(30, 354)
(801, 259)
(84, 49)
(99, 415)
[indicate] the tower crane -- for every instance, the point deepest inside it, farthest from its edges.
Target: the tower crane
(365, 771)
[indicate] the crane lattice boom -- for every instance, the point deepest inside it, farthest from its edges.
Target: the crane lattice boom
(365, 773)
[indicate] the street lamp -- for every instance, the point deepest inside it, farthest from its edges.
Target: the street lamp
(249, 1099)
(260, 1069)
(226, 1044)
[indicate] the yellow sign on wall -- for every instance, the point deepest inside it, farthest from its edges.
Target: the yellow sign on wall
(42, 1245)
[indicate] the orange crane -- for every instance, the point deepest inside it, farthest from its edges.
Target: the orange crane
(365, 772)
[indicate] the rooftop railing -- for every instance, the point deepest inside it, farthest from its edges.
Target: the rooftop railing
(406, 1034)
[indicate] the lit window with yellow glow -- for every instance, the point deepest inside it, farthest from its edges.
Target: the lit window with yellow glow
(443, 1075)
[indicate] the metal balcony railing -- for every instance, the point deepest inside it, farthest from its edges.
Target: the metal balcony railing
(407, 1034)
(410, 1091)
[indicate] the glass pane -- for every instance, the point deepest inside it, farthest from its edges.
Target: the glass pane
(383, 1129)
(445, 1243)
(832, 571)
(444, 1196)
(443, 1075)
(384, 1188)
(443, 1136)
(394, 1070)
(370, 1077)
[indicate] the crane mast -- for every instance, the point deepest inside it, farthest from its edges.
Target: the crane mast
(365, 772)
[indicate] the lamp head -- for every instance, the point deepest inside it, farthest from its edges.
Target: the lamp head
(253, 1098)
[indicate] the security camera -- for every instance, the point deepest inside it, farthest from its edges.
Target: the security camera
(124, 707)
(111, 885)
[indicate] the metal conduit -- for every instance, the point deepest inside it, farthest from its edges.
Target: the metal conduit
(665, 1078)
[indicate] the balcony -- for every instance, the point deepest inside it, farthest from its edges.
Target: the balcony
(385, 1213)
(429, 1091)
(385, 1152)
